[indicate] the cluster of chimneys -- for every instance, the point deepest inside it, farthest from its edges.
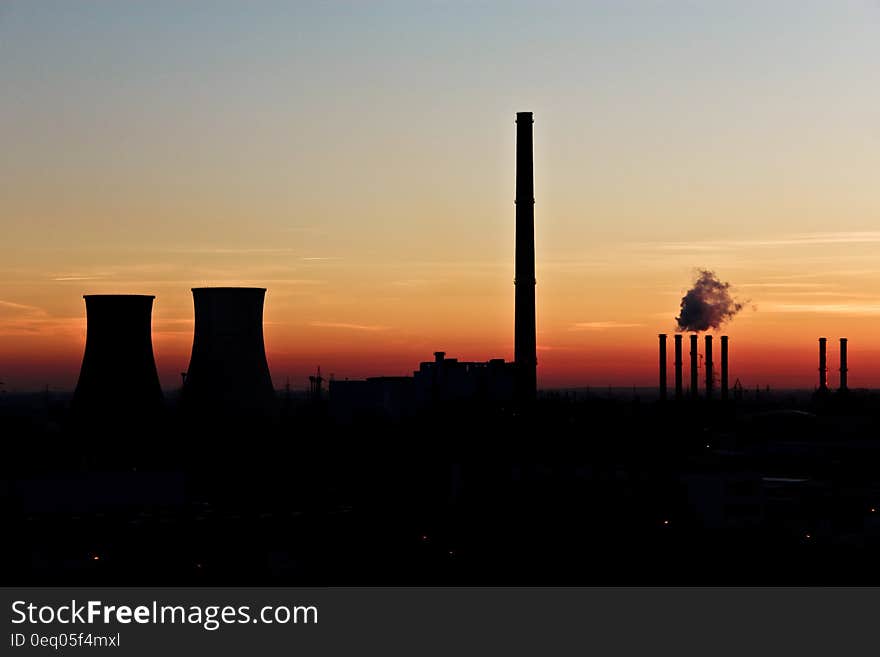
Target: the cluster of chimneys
(227, 371)
(823, 365)
(695, 361)
(709, 366)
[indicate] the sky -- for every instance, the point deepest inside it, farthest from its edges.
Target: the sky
(357, 159)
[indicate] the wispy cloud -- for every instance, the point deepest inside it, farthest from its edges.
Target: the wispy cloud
(601, 326)
(23, 319)
(352, 327)
(173, 321)
(825, 274)
(412, 282)
(36, 321)
(289, 281)
(781, 285)
(251, 250)
(825, 308)
(840, 294)
(20, 308)
(797, 239)
(222, 250)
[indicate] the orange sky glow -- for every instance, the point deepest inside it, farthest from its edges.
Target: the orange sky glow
(363, 172)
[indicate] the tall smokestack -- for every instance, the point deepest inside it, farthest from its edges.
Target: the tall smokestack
(823, 367)
(843, 365)
(662, 337)
(678, 366)
(525, 344)
(695, 387)
(710, 383)
(228, 374)
(118, 377)
(724, 370)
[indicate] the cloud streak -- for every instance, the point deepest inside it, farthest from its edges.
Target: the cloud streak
(864, 309)
(797, 239)
(602, 326)
(21, 308)
(351, 327)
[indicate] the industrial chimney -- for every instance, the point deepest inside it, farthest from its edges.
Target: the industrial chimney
(228, 375)
(678, 365)
(118, 378)
(823, 368)
(694, 367)
(724, 368)
(525, 344)
(710, 383)
(662, 337)
(843, 365)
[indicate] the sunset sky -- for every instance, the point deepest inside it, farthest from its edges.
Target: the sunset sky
(357, 159)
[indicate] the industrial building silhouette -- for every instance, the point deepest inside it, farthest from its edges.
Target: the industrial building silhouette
(448, 381)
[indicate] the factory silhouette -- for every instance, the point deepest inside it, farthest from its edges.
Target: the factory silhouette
(462, 473)
(228, 377)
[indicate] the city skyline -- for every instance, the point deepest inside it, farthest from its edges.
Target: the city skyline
(375, 201)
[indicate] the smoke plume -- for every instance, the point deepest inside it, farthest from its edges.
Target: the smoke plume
(707, 305)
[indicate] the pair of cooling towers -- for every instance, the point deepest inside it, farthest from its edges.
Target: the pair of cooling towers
(228, 373)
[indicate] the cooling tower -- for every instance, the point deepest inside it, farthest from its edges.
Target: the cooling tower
(678, 366)
(525, 353)
(662, 337)
(228, 374)
(118, 379)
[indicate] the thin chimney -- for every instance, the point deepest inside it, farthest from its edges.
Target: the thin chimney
(662, 337)
(678, 365)
(823, 367)
(843, 365)
(695, 385)
(710, 384)
(525, 343)
(724, 367)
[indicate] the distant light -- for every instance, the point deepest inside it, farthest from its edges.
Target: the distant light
(708, 446)
(873, 510)
(424, 537)
(95, 557)
(665, 522)
(452, 553)
(807, 536)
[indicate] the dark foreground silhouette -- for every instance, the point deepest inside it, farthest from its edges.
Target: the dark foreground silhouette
(586, 489)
